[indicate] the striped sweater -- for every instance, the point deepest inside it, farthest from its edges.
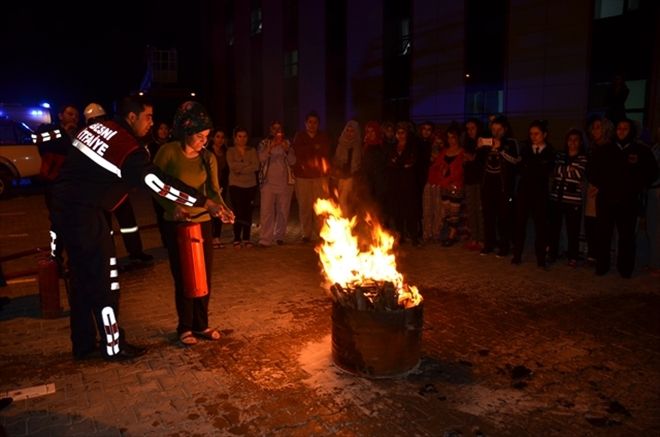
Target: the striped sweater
(568, 178)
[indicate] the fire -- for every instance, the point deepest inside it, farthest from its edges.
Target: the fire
(346, 265)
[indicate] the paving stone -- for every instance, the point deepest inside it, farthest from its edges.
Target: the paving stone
(587, 340)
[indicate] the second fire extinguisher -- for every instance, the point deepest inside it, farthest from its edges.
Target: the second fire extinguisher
(191, 254)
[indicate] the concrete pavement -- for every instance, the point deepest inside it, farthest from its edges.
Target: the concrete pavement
(505, 351)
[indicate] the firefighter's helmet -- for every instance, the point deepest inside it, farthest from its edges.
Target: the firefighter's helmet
(93, 110)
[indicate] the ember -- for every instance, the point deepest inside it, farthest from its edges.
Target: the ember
(361, 279)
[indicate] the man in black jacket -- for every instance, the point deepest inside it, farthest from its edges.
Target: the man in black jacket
(620, 171)
(105, 162)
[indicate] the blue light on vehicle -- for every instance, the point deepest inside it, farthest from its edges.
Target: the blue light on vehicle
(36, 112)
(45, 105)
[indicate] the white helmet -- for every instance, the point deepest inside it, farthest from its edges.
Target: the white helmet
(93, 110)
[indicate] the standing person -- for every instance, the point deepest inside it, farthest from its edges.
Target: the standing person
(373, 170)
(160, 134)
(106, 160)
(186, 159)
(566, 196)
(128, 227)
(276, 177)
(402, 185)
(346, 164)
(243, 162)
(473, 174)
(537, 162)
(620, 171)
(54, 144)
(311, 170)
(451, 183)
(219, 149)
(498, 156)
(600, 131)
(649, 252)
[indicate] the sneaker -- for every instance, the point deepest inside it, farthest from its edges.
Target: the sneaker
(572, 263)
(142, 257)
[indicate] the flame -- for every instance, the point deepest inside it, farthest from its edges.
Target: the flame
(345, 264)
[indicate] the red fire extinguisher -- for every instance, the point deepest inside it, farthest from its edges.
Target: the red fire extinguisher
(49, 288)
(191, 256)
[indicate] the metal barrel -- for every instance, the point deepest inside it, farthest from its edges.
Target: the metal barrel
(376, 344)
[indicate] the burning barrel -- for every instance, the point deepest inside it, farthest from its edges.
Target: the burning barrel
(376, 344)
(377, 317)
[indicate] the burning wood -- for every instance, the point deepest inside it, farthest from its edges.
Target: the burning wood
(363, 279)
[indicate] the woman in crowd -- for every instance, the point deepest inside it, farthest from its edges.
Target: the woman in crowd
(402, 185)
(160, 134)
(186, 158)
(243, 163)
(600, 131)
(276, 177)
(473, 174)
(451, 183)
(346, 164)
(219, 149)
(566, 196)
(432, 211)
(372, 170)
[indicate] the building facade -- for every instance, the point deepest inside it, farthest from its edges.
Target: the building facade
(429, 60)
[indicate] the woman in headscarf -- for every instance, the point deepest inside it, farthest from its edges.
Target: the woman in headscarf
(346, 164)
(373, 169)
(187, 159)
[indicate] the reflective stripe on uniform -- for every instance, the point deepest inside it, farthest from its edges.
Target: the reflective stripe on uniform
(111, 330)
(167, 191)
(128, 230)
(97, 158)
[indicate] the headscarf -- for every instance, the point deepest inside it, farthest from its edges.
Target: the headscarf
(190, 118)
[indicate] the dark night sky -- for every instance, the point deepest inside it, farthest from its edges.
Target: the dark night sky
(63, 52)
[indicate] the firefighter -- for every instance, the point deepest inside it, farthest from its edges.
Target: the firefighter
(128, 227)
(54, 142)
(107, 160)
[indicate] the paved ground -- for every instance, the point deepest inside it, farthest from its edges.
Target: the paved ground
(505, 351)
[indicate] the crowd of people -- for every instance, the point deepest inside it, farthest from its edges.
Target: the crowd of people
(464, 183)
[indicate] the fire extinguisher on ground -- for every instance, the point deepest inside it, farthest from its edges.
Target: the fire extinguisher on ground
(49, 287)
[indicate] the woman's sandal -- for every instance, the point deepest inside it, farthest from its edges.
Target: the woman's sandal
(208, 334)
(187, 338)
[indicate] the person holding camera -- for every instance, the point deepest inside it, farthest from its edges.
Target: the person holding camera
(498, 156)
(276, 156)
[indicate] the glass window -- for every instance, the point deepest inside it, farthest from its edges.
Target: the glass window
(291, 64)
(256, 23)
(405, 38)
(608, 8)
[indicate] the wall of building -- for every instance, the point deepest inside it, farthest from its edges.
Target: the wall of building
(272, 62)
(364, 61)
(547, 69)
(311, 49)
(438, 77)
